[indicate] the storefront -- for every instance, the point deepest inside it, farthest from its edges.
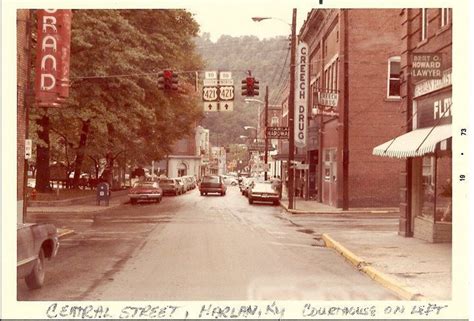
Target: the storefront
(429, 146)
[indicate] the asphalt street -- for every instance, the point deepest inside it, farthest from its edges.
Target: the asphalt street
(194, 247)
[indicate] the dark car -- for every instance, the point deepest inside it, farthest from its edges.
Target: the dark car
(170, 186)
(263, 192)
(212, 184)
(145, 191)
(35, 243)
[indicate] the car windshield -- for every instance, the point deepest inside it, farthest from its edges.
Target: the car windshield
(211, 179)
(166, 181)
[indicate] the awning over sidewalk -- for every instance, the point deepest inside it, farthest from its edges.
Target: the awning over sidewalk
(415, 143)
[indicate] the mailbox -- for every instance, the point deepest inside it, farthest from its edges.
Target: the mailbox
(103, 193)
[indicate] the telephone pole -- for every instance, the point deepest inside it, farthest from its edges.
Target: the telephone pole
(266, 136)
(291, 116)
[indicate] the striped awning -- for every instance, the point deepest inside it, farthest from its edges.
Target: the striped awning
(415, 143)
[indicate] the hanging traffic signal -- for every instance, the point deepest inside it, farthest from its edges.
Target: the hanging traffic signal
(244, 87)
(250, 87)
(167, 80)
(256, 87)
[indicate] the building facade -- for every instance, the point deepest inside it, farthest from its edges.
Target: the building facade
(425, 147)
(353, 53)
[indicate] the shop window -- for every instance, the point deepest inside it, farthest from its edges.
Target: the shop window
(327, 173)
(437, 188)
(445, 17)
(393, 78)
(424, 24)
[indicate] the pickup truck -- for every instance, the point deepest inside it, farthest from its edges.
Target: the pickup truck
(35, 243)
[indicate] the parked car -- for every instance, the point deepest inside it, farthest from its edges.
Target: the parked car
(230, 180)
(189, 182)
(170, 186)
(263, 192)
(35, 243)
(181, 184)
(145, 191)
(212, 184)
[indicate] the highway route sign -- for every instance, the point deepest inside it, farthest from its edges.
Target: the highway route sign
(210, 74)
(226, 92)
(225, 75)
(226, 82)
(209, 93)
(211, 106)
(209, 82)
(226, 106)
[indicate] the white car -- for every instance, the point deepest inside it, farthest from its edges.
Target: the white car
(230, 180)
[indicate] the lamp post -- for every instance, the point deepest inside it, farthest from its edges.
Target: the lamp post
(291, 106)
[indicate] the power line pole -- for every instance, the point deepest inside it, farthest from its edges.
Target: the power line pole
(291, 116)
(266, 136)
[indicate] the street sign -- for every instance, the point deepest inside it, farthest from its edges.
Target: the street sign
(225, 75)
(28, 148)
(209, 82)
(226, 92)
(277, 132)
(226, 106)
(209, 93)
(211, 106)
(257, 147)
(210, 74)
(302, 166)
(328, 99)
(226, 82)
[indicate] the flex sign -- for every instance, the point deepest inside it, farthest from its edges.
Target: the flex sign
(301, 95)
(52, 57)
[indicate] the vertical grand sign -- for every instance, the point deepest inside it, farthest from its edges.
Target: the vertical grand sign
(52, 57)
(301, 95)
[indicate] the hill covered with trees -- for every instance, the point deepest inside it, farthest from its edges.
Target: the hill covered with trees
(267, 59)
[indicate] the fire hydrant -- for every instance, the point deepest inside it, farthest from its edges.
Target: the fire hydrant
(33, 194)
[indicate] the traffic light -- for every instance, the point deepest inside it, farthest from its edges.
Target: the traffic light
(167, 80)
(250, 87)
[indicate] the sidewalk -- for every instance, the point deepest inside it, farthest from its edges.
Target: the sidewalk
(368, 239)
(87, 205)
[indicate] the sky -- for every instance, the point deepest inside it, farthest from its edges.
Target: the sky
(234, 18)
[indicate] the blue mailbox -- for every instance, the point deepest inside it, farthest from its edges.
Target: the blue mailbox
(103, 193)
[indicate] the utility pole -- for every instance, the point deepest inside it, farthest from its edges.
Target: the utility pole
(266, 136)
(291, 116)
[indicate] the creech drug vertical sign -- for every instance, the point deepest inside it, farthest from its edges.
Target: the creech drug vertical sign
(52, 57)
(301, 95)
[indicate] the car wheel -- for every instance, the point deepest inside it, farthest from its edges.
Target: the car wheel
(158, 200)
(133, 201)
(35, 279)
(176, 193)
(223, 193)
(250, 200)
(202, 193)
(276, 202)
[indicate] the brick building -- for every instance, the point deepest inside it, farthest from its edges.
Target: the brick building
(354, 53)
(23, 48)
(425, 147)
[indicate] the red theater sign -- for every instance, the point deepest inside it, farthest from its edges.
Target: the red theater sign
(52, 57)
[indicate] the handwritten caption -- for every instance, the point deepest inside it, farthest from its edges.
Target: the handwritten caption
(228, 311)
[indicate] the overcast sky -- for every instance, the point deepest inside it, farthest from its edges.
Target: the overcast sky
(234, 18)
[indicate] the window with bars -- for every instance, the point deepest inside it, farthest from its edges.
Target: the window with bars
(393, 77)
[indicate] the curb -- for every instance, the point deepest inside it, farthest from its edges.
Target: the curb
(385, 280)
(285, 207)
(65, 232)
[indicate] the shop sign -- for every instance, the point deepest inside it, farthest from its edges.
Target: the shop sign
(428, 86)
(277, 132)
(328, 99)
(434, 109)
(301, 95)
(427, 65)
(52, 57)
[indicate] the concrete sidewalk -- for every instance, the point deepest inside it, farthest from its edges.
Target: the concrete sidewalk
(411, 268)
(88, 205)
